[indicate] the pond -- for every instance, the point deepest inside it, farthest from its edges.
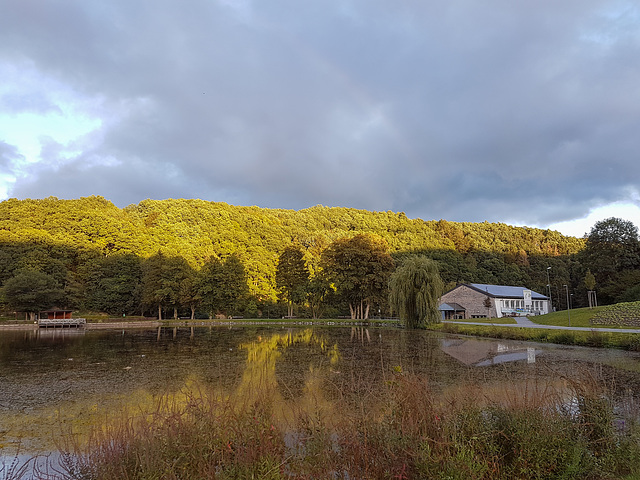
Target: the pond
(53, 382)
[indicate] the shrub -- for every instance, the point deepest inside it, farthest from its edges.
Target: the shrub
(400, 429)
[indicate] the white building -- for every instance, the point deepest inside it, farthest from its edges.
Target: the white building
(477, 300)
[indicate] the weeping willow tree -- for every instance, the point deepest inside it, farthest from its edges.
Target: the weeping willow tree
(416, 288)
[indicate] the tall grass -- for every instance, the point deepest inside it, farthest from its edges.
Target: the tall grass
(401, 429)
(11, 467)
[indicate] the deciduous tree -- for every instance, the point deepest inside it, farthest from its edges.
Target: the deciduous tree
(292, 277)
(222, 286)
(113, 284)
(162, 281)
(30, 291)
(612, 251)
(359, 267)
(416, 288)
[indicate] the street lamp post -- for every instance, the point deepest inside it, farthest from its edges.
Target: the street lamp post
(549, 287)
(568, 304)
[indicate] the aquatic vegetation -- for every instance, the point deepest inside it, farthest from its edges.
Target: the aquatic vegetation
(401, 429)
(319, 403)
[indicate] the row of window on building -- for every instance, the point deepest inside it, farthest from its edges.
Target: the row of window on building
(516, 304)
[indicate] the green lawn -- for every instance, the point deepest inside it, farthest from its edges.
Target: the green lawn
(580, 317)
(619, 315)
(497, 321)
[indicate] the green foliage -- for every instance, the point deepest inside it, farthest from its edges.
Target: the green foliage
(292, 277)
(67, 238)
(113, 284)
(319, 289)
(162, 281)
(589, 280)
(359, 267)
(612, 252)
(415, 290)
(222, 286)
(31, 291)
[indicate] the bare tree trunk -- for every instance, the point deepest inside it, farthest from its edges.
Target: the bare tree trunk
(193, 312)
(175, 313)
(352, 310)
(366, 312)
(159, 312)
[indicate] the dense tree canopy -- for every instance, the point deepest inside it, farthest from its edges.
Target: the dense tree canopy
(612, 255)
(162, 281)
(31, 291)
(359, 267)
(292, 277)
(99, 254)
(222, 286)
(113, 284)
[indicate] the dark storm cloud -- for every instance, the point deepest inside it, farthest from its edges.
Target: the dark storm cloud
(496, 111)
(8, 156)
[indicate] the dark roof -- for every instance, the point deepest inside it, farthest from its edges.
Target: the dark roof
(504, 291)
(451, 307)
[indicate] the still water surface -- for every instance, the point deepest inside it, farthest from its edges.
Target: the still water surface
(55, 381)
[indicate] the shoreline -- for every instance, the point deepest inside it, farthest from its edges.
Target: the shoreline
(87, 326)
(212, 323)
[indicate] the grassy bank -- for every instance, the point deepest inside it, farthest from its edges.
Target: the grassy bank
(580, 317)
(400, 429)
(591, 338)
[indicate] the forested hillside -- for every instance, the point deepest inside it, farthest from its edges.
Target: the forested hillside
(83, 243)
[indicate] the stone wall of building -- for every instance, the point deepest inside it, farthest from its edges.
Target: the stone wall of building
(471, 300)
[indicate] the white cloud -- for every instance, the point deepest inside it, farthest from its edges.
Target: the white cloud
(581, 226)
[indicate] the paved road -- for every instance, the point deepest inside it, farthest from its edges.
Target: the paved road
(524, 322)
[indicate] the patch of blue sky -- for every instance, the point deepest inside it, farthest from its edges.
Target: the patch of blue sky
(618, 21)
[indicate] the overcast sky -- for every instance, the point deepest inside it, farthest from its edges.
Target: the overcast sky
(501, 110)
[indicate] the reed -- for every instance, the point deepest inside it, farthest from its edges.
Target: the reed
(402, 428)
(11, 467)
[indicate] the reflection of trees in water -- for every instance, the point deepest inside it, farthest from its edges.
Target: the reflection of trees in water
(292, 365)
(334, 371)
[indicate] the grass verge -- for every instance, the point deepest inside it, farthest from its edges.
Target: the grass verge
(591, 338)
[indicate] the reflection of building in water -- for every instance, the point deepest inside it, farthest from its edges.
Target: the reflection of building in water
(58, 333)
(484, 353)
(476, 300)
